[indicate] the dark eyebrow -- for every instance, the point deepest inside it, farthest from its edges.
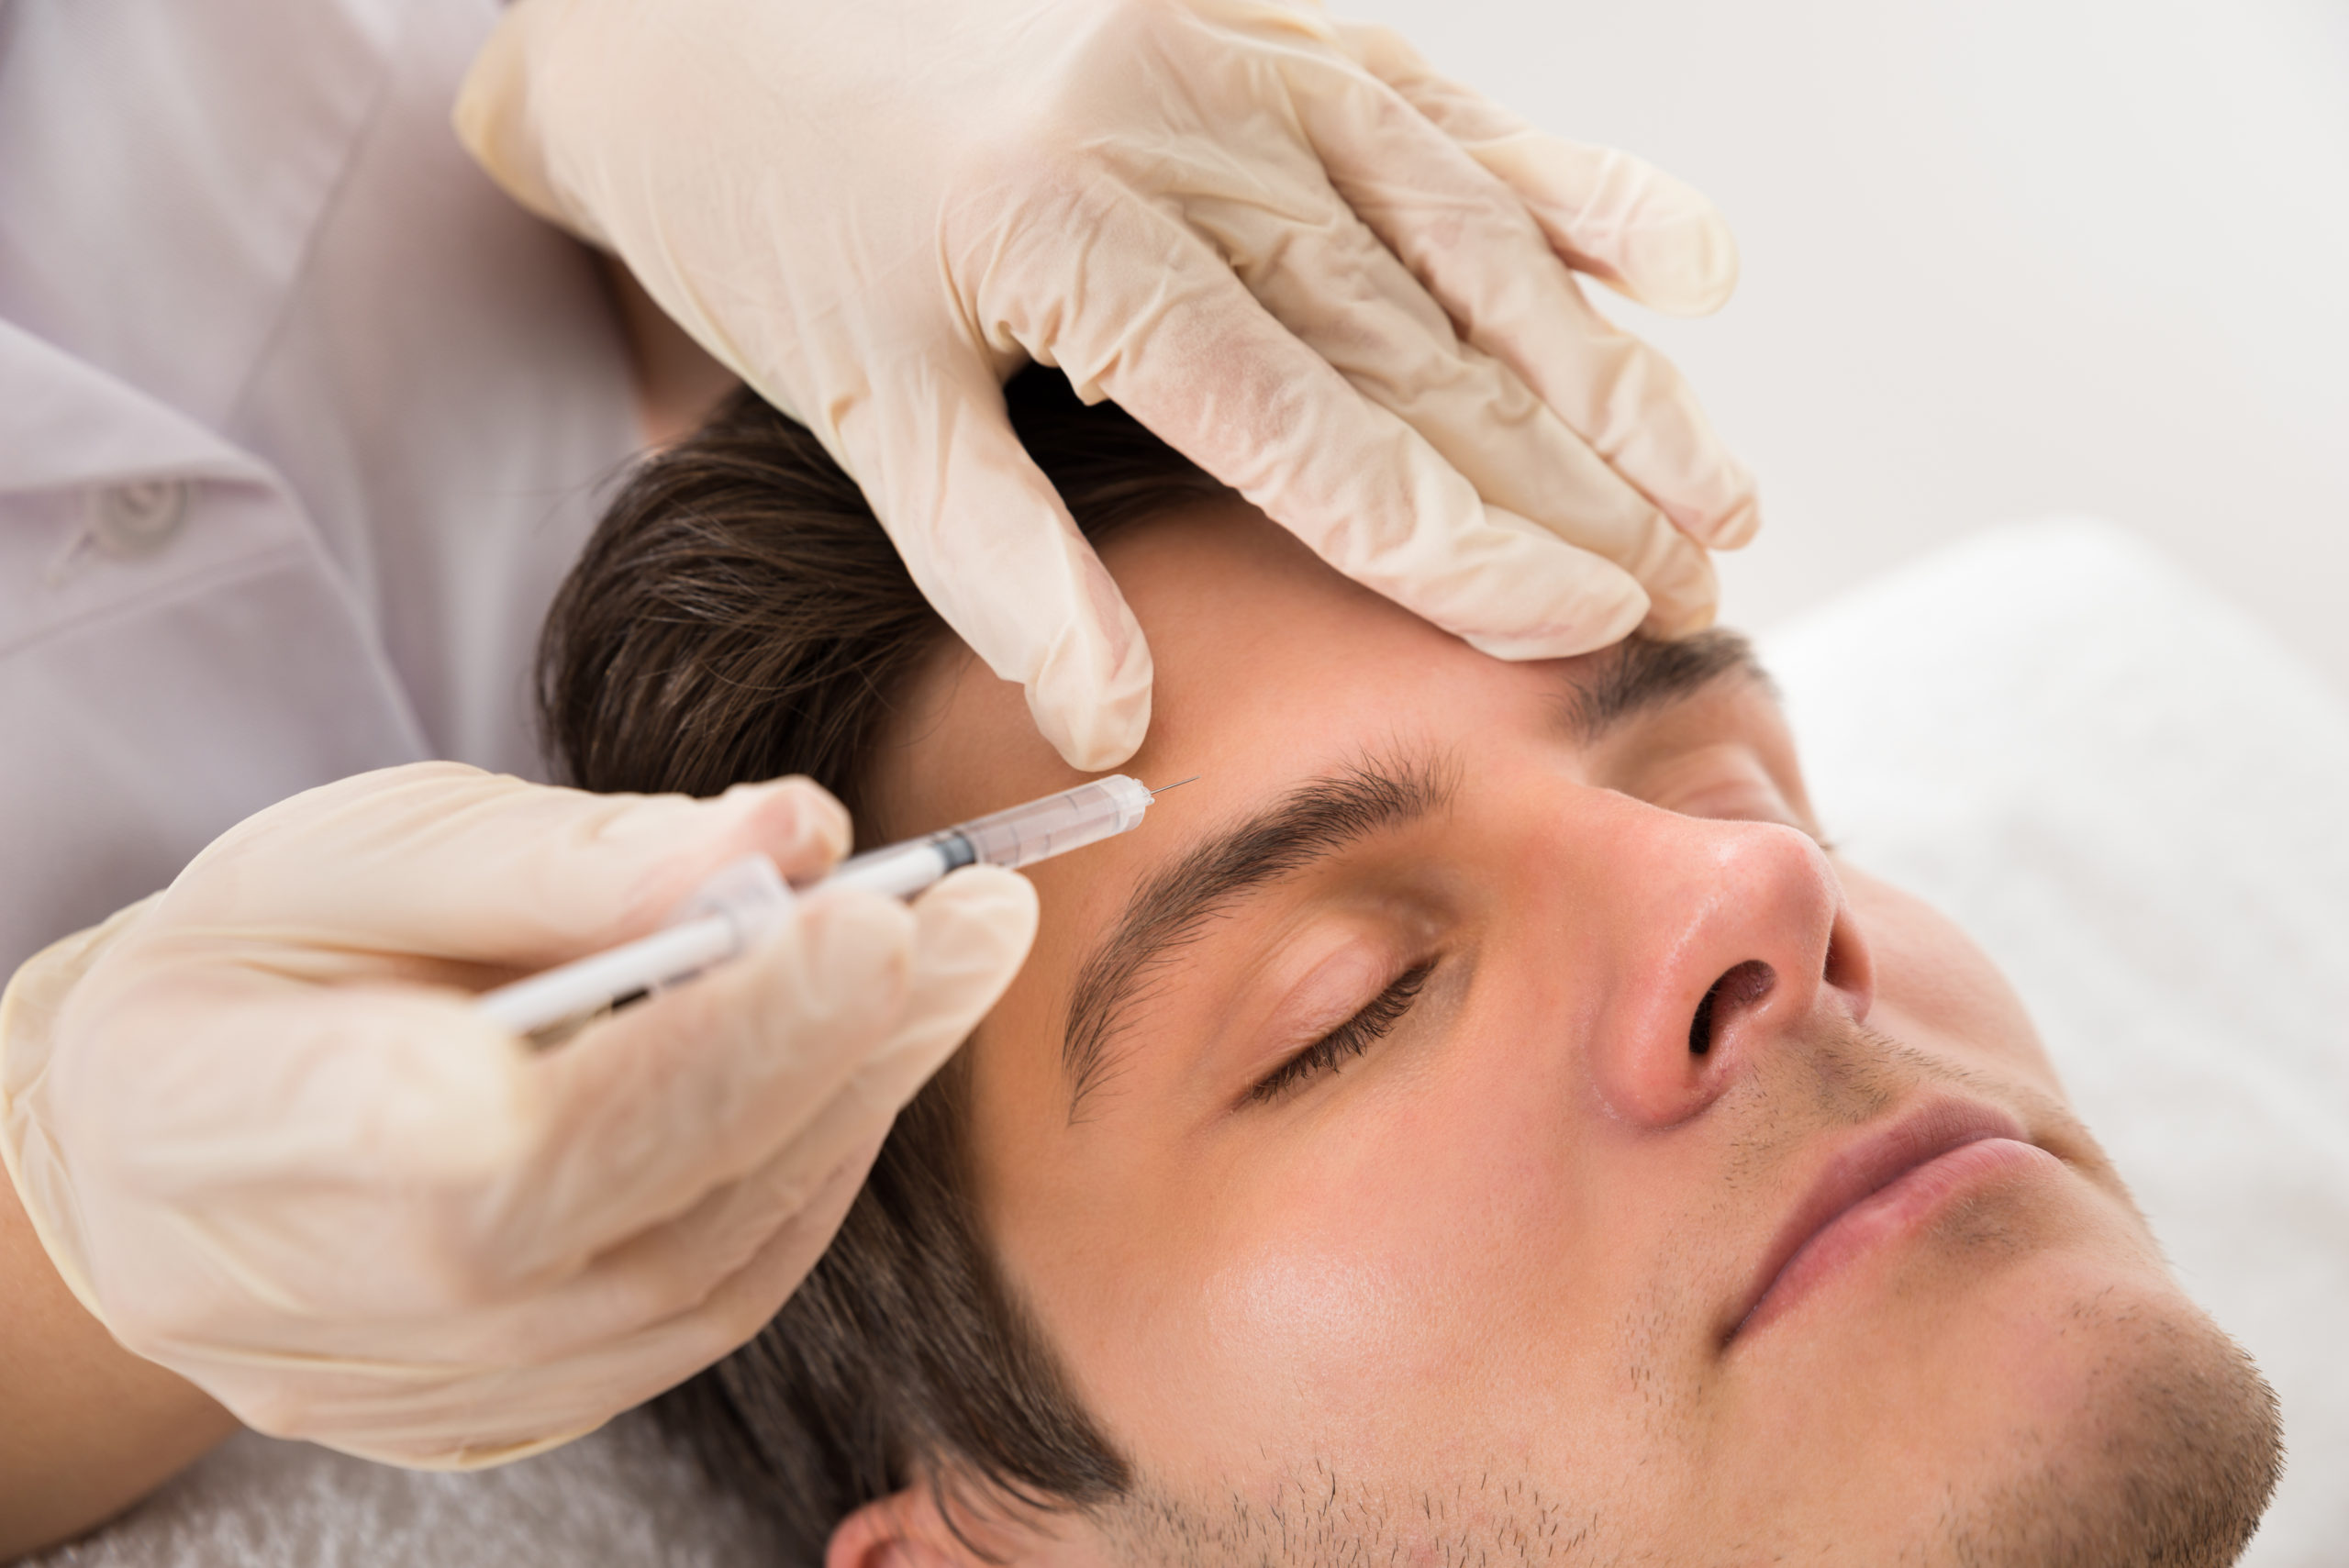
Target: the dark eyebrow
(1645, 674)
(1311, 823)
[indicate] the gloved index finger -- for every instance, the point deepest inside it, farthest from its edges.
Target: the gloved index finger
(441, 862)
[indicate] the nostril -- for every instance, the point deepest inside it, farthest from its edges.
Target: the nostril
(1738, 987)
(1846, 966)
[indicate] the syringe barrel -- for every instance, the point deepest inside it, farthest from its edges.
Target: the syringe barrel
(1058, 823)
(746, 899)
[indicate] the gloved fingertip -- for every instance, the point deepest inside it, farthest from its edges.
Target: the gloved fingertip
(1684, 591)
(1735, 528)
(983, 918)
(1092, 743)
(1670, 623)
(1593, 615)
(1093, 726)
(796, 821)
(1089, 687)
(1686, 264)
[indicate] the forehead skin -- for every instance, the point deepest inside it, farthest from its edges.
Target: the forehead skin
(1463, 1260)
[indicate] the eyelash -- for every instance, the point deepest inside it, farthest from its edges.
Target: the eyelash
(1349, 1039)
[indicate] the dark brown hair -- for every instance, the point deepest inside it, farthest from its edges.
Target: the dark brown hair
(740, 615)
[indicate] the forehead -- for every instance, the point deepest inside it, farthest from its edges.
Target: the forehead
(1266, 659)
(1268, 663)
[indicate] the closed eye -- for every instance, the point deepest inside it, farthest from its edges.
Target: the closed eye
(1349, 1039)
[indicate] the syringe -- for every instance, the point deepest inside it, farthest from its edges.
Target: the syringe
(745, 899)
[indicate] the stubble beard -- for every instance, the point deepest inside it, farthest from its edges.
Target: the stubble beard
(2185, 1461)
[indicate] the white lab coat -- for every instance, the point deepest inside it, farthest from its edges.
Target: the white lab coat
(301, 422)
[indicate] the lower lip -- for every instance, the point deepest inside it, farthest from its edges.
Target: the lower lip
(1885, 1216)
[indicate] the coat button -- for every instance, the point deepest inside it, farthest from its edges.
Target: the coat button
(131, 520)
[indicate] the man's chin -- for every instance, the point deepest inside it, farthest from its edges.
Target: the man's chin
(2173, 1464)
(2136, 1433)
(2068, 1409)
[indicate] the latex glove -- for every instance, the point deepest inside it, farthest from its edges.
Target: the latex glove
(1213, 212)
(267, 1142)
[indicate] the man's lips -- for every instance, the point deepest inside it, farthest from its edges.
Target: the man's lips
(1933, 1134)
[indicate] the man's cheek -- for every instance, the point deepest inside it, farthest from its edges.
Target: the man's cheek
(1425, 1256)
(1259, 1334)
(1935, 991)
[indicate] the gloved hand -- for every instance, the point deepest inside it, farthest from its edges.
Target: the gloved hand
(267, 1142)
(1338, 285)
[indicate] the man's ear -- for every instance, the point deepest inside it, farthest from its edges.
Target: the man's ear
(903, 1530)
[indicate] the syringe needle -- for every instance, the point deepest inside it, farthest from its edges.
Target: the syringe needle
(1178, 783)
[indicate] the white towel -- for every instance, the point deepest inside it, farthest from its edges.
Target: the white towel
(2130, 794)
(622, 1495)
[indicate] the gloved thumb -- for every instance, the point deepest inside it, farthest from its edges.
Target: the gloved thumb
(991, 546)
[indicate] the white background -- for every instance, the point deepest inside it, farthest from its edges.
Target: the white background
(2002, 258)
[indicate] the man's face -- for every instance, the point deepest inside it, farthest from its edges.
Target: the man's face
(1478, 1121)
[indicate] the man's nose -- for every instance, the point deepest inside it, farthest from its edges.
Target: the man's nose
(1728, 937)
